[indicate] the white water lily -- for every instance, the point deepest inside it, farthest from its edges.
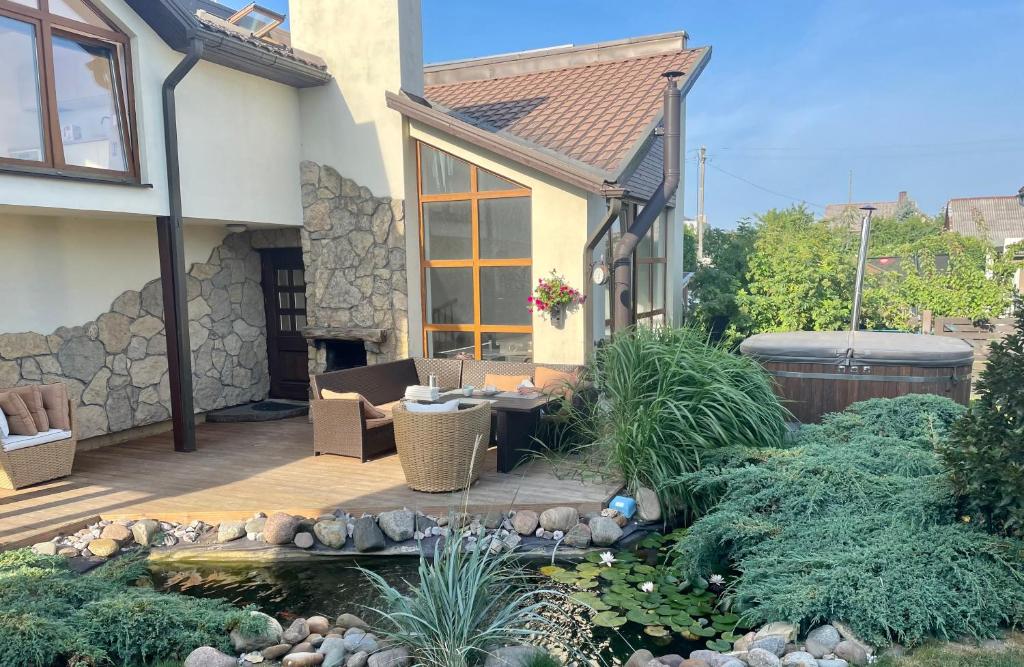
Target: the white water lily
(647, 587)
(607, 558)
(716, 580)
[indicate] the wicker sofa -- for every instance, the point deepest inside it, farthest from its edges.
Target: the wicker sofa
(28, 460)
(339, 425)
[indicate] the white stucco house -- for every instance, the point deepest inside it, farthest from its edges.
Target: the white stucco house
(199, 209)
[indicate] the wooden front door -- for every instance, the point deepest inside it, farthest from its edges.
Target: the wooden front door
(284, 292)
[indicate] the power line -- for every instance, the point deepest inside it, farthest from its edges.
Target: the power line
(971, 142)
(762, 188)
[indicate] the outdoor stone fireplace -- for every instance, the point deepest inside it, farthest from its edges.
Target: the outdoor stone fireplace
(353, 248)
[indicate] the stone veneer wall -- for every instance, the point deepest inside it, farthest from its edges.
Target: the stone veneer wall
(353, 247)
(116, 365)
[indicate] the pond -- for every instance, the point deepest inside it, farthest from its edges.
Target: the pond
(331, 587)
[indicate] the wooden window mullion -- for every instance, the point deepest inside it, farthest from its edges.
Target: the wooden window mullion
(50, 106)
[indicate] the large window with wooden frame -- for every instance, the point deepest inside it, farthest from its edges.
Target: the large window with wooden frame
(649, 272)
(475, 250)
(66, 102)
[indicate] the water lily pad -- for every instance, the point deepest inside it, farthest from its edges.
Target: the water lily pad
(592, 557)
(719, 645)
(701, 631)
(608, 619)
(642, 617)
(589, 600)
(656, 631)
(550, 570)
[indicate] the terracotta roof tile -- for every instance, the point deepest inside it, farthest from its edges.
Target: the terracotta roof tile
(594, 113)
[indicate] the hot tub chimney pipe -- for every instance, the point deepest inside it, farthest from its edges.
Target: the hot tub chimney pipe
(862, 259)
(622, 262)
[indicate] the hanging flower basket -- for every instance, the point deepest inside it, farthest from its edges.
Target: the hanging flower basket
(553, 297)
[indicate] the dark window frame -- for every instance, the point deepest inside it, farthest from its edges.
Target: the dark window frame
(45, 26)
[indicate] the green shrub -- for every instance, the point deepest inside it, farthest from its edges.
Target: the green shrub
(670, 403)
(855, 522)
(986, 453)
(51, 615)
(468, 601)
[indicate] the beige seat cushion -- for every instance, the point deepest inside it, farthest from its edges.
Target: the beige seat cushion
(55, 403)
(370, 411)
(388, 408)
(377, 423)
(504, 382)
(19, 419)
(34, 400)
(555, 382)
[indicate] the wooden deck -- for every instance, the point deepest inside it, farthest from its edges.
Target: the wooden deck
(240, 469)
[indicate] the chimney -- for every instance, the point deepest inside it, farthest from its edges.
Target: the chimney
(371, 47)
(902, 199)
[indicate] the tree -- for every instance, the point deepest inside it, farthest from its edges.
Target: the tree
(801, 274)
(715, 285)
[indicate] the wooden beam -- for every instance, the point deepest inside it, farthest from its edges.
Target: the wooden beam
(179, 355)
(346, 333)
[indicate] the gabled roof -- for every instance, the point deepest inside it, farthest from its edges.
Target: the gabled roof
(179, 21)
(851, 212)
(998, 218)
(591, 110)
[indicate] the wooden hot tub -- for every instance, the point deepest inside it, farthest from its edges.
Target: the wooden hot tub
(817, 372)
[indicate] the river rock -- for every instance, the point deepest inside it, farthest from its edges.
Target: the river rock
(116, 531)
(689, 662)
(799, 659)
(712, 658)
(367, 536)
(276, 651)
(207, 656)
(852, 652)
(280, 528)
(332, 534)
(230, 530)
(270, 636)
(358, 659)
(104, 547)
(514, 656)
(640, 658)
(604, 531)
(302, 647)
(425, 524)
(45, 548)
(832, 662)
(255, 525)
(399, 525)
(758, 657)
(559, 519)
(144, 531)
(525, 522)
(302, 660)
(822, 640)
(772, 643)
(787, 631)
(396, 657)
(360, 641)
(335, 657)
(578, 536)
(296, 632)
(318, 625)
(303, 540)
(351, 621)
(648, 507)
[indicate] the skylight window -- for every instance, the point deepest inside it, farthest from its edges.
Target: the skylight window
(257, 19)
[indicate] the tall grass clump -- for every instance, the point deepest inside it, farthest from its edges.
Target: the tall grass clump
(467, 603)
(671, 402)
(856, 521)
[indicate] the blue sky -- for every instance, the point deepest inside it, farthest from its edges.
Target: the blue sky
(923, 96)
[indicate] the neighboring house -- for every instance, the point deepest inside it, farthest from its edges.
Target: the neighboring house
(312, 163)
(999, 219)
(850, 213)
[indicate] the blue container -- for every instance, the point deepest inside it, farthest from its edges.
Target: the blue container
(624, 506)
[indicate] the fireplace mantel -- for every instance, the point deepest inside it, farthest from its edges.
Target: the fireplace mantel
(346, 333)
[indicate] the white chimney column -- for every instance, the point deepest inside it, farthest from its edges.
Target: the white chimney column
(370, 46)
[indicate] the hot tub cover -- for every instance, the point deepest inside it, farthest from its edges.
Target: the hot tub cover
(868, 347)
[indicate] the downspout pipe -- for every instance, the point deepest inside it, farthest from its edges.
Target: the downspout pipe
(622, 263)
(610, 216)
(170, 237)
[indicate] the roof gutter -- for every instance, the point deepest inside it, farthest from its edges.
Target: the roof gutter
(172, 264)
(622, 263)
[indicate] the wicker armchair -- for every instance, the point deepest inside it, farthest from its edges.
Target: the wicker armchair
(442, 451)
(39, 463)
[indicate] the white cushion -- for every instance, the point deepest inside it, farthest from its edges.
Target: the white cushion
(5, 428)
(13, 442)
(450, 406)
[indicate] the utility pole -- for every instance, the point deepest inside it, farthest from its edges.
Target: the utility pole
(849, 189)
(700, 205)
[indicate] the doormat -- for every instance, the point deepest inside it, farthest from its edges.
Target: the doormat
(261, 411)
